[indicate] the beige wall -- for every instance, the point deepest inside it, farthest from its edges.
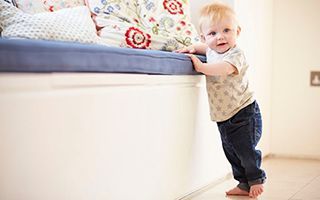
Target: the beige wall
(296, 105)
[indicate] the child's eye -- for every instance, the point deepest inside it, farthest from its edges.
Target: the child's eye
(227, 30)
(212, 33)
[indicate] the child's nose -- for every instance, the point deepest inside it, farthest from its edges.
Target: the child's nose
(219, 36)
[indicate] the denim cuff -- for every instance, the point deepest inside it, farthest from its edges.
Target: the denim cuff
(244, 186)
(258, 181)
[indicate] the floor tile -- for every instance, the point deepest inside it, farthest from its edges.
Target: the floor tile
(288, 179)
(310, 192)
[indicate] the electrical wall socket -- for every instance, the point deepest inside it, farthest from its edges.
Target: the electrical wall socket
(315, 78)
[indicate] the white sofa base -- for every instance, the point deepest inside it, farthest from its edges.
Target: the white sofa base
(85, 136)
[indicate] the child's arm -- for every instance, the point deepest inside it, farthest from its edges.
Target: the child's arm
(197, 48)
(221, 68)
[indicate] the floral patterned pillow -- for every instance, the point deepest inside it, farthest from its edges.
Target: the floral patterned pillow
(146, 24)
(37, 6)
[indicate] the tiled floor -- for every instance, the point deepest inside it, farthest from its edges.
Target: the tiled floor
(294, 179)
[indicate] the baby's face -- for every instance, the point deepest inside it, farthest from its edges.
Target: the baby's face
(220, 36)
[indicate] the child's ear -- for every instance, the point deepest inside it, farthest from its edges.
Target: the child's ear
(238, 30)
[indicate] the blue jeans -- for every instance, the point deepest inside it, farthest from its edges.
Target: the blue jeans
(240, 135)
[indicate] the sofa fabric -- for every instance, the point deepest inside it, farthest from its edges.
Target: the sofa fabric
(19, 55)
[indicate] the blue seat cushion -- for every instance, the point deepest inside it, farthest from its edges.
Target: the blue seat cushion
(24, 55)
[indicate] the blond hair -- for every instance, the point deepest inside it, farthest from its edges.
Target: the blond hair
(216, 12)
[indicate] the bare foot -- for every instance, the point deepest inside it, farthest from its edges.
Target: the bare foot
(237, 191)
(255, 190)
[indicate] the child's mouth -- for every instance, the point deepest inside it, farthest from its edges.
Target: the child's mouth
(221, 44)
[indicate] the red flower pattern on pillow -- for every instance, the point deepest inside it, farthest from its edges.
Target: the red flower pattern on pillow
(135, 38)
(173, 6)
(148, 24)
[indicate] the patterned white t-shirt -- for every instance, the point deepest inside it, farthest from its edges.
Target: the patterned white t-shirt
(228, 94)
